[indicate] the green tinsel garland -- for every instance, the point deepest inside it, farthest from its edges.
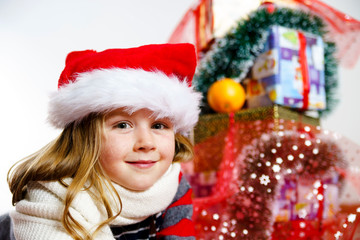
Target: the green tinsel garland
(233, 55)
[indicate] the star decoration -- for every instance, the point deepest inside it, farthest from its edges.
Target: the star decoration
(264, 179)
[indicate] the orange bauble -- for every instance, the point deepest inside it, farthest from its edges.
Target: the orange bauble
(226, 96)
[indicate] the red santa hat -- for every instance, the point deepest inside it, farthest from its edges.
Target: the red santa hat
(156, 77)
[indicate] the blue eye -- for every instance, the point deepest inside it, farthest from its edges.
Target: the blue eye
(123, 125)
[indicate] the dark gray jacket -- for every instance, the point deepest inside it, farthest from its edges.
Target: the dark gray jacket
(6, 232)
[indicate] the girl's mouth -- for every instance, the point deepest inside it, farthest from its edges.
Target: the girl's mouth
(142, 163)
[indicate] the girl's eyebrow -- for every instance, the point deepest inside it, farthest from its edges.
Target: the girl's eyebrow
(164, 119)
(117, 114)
(113, 118)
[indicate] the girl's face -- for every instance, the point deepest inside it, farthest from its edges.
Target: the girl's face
(138, 148)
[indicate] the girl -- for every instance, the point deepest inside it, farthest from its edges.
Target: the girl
(114, 172)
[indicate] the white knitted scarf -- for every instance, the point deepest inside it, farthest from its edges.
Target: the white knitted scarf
(38, 216)
(137, 206)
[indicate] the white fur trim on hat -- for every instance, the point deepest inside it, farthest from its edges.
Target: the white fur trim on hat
(103, 90)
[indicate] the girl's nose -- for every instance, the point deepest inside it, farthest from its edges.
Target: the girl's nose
(144, 140)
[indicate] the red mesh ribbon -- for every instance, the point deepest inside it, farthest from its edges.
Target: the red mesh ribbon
(226, 172)
(321, 203)
(226, 176)
(231, 207)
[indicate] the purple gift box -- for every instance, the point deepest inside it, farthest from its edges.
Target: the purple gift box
(300, 198)
(290, 72)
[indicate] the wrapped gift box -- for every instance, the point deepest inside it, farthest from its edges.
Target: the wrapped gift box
(299, 199)
(290, 72)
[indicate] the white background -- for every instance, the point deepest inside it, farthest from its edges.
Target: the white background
(36, 35)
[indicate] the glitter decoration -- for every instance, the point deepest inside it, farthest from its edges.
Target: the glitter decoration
(337, 235)
(351, 218)
(307, 129)
(276, 168)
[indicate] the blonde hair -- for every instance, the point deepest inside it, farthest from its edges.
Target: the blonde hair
(75, 154)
